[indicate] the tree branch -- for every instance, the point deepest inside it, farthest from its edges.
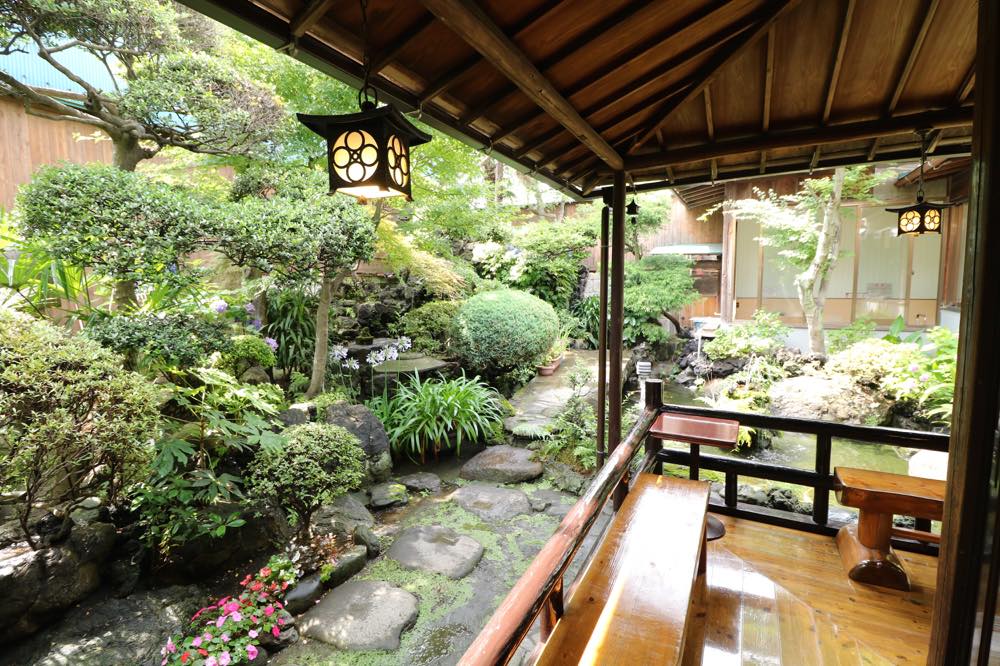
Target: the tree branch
(30, 95)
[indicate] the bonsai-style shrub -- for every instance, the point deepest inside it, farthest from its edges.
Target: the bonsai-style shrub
(159, 341)
(318, 462)
(429, 326)
(871, 362)
(763, 335)
(73, 422)
(504, 329)
(247, 351)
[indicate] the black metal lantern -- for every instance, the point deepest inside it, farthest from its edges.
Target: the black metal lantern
(368, 152)
(632, 209)
(923, 217)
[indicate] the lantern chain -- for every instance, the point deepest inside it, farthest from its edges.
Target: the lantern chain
(923, 160)
(367, 95)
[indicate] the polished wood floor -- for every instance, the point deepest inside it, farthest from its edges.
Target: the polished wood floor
(781, 597)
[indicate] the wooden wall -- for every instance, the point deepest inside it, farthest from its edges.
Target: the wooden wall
(28, 142)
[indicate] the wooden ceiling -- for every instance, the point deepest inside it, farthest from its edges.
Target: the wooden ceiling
(674, 92)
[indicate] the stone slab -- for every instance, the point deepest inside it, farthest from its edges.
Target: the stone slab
(436, 549)
(490, 503)
(361, 615)
(502, 464)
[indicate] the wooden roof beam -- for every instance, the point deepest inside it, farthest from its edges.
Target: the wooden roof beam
(650, 45)
(307, 18)
(858, 131)
(968, 83)
(838, 60)
(453, 75)
(475, 27)
(722, 57)
(709, 124)
(768, 79)
(381, 60)
(911, 60)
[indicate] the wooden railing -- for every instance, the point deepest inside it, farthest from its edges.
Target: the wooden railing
(539, 592)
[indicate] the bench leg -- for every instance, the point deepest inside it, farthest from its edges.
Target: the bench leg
(703, 555)
(868, 564)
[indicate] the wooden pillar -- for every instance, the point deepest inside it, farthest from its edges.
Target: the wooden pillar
(602, 339)
(965, 599)
(617, 289)
(727, 277)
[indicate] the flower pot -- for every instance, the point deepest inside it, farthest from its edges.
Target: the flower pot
(550, 368)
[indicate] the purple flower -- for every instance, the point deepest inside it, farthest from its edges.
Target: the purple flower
(249, 307)
(219, 306)
(257, 324)
(272, 343)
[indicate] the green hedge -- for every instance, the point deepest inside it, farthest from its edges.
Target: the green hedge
(429, 326)
(501, 330)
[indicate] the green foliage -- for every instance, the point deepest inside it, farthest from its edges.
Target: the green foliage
(73, 423)
(654, 286)
(840, 339)
(211, 421)
(291, 321)
(160, 342)
(317, 462)
(762, 335)
(437, 275)
(504, 329)
(117, 223)
(329, 398)
(574, 430)
(246, 351)
(872, 361)
(552, 260)
(430, 325)
(424, 416)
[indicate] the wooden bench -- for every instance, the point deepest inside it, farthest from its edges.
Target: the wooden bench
(865, 548)
(631, 604)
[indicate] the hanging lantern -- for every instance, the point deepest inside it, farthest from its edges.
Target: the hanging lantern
(368, 153)
(924, 216)
(632, 209)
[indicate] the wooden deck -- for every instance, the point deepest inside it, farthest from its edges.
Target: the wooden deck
(779, 596)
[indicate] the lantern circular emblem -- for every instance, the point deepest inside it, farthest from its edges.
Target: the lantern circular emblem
(355, 156)
(909, 221)
(398, 161)
(932, 219)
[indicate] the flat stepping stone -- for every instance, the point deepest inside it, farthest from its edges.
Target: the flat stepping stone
(421, 482)
(502, 464)
(491, 503)
(438, 550)
(361, 615)
(389, 494)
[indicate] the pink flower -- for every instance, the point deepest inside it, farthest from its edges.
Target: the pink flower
(237, 617)
(220, 621)
(211, 661)
(196, 642)
(253, 618)
(269, 610)
(224, 659)
(253, 633)
(207, 636)
(171, 648)
(225, 638)
(275, 632)
(232, 606)
(164, 662)
(281, 621)
(222, 601)
(251, 652)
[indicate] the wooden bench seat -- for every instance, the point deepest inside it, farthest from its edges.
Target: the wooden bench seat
(865, 548)
(631, 604)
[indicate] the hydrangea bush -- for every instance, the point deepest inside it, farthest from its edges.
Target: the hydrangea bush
(234, 630)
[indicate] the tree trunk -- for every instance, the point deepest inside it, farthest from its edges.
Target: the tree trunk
(328, 287)
(123, 296)
(127, 155)
(811, 284)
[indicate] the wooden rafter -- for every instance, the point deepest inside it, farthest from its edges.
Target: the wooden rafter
(722, 57)
(709, 123)
(641, 51)
(838, 60)
(911, 60)
(768, 79)
(577, 45)
(857, 131)
(968, 83)
(476, 28)
(313, 12)
(380, 60)
(441, 84)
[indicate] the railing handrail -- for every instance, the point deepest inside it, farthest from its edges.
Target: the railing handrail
(916, 439)
(511, 621)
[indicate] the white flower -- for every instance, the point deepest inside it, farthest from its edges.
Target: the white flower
(351, 364)
(338, 353)
(375, 357)
(404, 344)
(391, 354)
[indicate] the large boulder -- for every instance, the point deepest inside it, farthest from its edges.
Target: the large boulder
(342, 516)
(39, 584)
(436, 549)
(204, 556)
(104, 631)
(827, 398)
(361, 615)
(389, 494)
(363, 424)
(502, 464)
(421, 482)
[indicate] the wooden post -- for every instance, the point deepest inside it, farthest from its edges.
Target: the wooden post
(602, 339)
(617, 287)
(552, 611)
(965, 598)
(654, 400)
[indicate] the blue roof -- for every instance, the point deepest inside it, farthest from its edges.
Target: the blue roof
(31, 70)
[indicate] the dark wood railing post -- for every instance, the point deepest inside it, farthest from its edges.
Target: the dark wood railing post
(602, 339)
(732, 489)
(617, 310)
(654, 400)
(821, 493)
(553, 610)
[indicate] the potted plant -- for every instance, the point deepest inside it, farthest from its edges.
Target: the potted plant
(553, 358)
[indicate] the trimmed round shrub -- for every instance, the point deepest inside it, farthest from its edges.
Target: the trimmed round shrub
(318, 462)
(73, 422)
(501, 330)
(246, 351)
(429, 326)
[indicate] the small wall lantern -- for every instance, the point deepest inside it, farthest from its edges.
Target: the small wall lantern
(924, 216)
